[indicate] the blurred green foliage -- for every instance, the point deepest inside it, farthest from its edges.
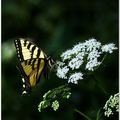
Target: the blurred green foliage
(55, 25)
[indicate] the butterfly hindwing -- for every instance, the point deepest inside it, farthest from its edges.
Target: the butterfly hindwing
(31, 73)
(35, 71)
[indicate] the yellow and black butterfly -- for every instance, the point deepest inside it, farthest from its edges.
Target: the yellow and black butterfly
(33, 62)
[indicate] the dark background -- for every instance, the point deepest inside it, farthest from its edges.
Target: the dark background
(55, 26)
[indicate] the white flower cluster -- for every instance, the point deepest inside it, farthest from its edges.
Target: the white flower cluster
(62, 71)
(84, 54)
(109, 48)
(43, 104)
(75, 77)
(55, 105)
(112, 103)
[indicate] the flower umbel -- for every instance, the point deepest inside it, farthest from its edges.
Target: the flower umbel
(112, 105)
(44, 104)
(61, 72)
(109, 48)
(75, 77)
(51, 97)
(84, 56)
(55, 105)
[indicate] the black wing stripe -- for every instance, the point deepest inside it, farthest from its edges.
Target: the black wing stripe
(33, 64)
(25, 42)
(38, 53)
(38, 65)
(26, 62)
(33, 48)
(30, 61)
(29, 44)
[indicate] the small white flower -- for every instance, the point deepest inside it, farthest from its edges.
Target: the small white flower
(117, 108)
(108, 112)
(43, 104)
(66, 55)
(55, 105)
(92, 44)
(109, 48)
(61, 72)
(68, 96)
(80, 47)
(111, 105)
(75, 63)
(44, 96)
(93, 54)
(92, 63)
(75, 77)
(60, 64)
(80, 55)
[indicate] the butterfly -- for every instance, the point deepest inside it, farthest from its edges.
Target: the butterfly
(32, 63)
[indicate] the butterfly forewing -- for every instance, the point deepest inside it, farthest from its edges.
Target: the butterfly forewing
(27, 50)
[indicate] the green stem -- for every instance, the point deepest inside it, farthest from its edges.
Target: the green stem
(98, 115)
(97, 81)
(88, 118)
(101, 61)
(91, 72)
(99, 84)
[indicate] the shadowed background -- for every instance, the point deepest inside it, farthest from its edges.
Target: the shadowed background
(55, 26)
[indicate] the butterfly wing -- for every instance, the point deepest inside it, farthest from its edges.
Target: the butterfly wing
(27, 50)
(31, 73)
(32, 63)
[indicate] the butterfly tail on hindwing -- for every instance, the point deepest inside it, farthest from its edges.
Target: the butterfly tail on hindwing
(26, 89)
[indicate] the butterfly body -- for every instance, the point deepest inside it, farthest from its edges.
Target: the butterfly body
(33, 62)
